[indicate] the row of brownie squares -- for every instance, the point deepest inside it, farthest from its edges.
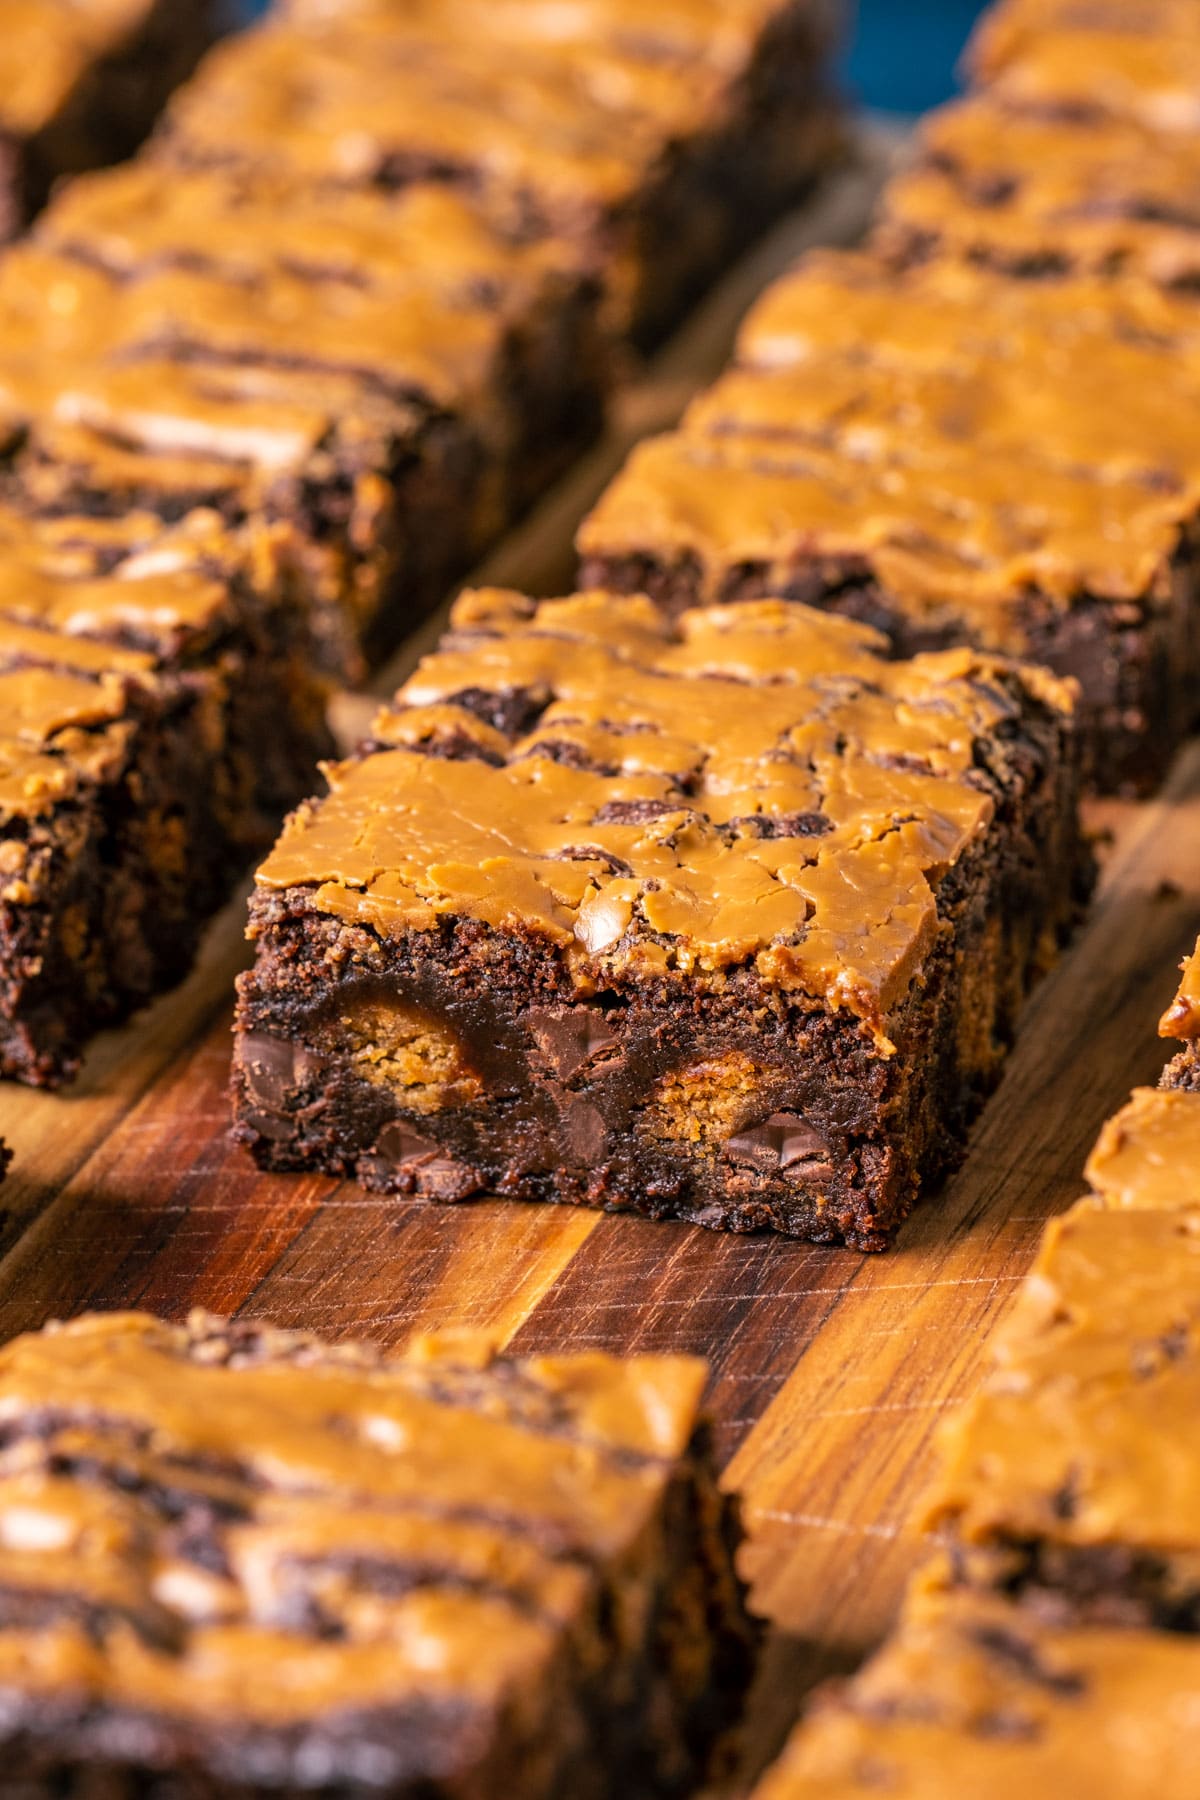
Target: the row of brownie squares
(265, 390)
(249, 1562)
(1052, 1646)
(671, 899)
(981, 427)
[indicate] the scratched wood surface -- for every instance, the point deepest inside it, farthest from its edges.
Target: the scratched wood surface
(830, 1369)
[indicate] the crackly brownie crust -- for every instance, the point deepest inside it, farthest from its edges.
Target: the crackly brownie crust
(82, 83)
(1070, 1482)
(972, 1695)
(617, 911)
(158, 714)
(657, 151)
(390, 378)
(239, 1562)
(950, 456)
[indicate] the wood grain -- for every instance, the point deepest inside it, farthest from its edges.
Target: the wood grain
(830, 1370)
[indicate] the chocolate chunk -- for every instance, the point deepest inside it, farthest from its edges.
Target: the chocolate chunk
(273, 1068)
(575, 1037)
(434, 1173)
(586, 1131)
(780, 1142)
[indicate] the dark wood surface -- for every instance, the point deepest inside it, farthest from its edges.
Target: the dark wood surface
(830, 1369)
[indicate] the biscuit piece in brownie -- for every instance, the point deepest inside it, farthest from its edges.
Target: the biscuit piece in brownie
(1072, 1480)
(1133, 59)
(725, 918)
(156, 716)
(657, 144)
(81, 83)
(1036, 196)
(972, 1696)
(388, 374)
(238, 1562)
(1182, 1020)
(954, 457)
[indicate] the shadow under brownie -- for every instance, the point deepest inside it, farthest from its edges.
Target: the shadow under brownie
(725, 918)
(244, 1563)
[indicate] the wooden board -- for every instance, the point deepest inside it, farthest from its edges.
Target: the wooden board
(831, 1369)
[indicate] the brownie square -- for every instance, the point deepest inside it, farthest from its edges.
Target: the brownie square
(1038, 196)
(82, 82)
(1071, 1481)
(724, 918)
(389, 376)
(656, 144)
(157, 714)
(239, 1562)
(953, 457)
(972, 1696)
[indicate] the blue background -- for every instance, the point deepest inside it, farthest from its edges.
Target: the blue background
(905, 50)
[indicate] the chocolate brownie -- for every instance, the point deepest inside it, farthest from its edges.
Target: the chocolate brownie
(156, 715)
(386, 373)
(723, 918)
(1037, 196)
(953, 456)
(1072, 1480)
(973, 1697)
(1133, 59)
(81, 83)
(237, 1562)
(1182, 1020)
(657, 142)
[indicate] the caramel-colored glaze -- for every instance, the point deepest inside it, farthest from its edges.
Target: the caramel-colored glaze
(578, 115)
(1182, 1017)
(1028, 192)
(961, 440)
(752, 785)
(182, 1507)
(1135, 59)
(1076, 1439)
(973, 1698)
(1148, 1155)
(46, 46)
(90, 611)
(183, 314)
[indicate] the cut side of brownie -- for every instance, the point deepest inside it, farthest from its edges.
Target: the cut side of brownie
(157, 713)
(240, 1562)
(724, 917)
(1072, 1481)
(390, 377)
(972, 1696)
(657, 146)
(951, 456)
(82, 82)
(1182, 1020)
